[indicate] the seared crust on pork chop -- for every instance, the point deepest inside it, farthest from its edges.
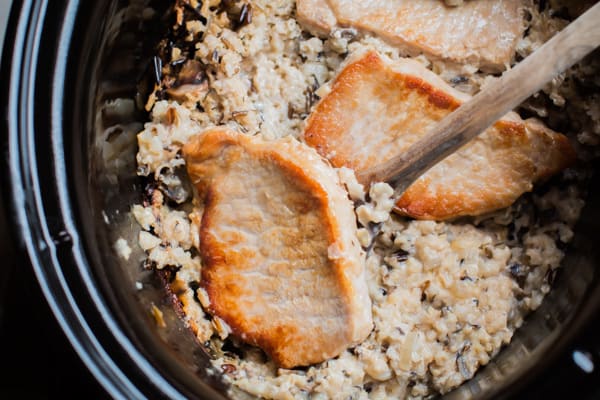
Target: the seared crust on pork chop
(482, 33)
(281, 262)
(377, 109)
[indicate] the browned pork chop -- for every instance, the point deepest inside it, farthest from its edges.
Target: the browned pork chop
(281, 262)
(377, 109)
(483, 32)
(316, 16)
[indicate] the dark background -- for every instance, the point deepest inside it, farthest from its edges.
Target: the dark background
(36, 360)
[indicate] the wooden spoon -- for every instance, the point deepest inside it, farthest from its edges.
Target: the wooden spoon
(495, 100)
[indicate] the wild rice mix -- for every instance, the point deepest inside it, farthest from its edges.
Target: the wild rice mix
(446, 295)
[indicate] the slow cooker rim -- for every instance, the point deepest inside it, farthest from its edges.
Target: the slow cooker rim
(26, 205)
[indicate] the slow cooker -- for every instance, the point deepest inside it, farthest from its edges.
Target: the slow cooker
(73, 76)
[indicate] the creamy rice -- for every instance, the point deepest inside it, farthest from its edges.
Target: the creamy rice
(446, 295)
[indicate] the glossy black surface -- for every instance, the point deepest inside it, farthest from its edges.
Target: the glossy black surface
(38, 362)
(52, 68)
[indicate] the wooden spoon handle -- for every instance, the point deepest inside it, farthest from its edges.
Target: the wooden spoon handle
(495, 100)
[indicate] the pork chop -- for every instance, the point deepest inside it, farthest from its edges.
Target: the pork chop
(316, 16)
(483, 33)
(377, 109)
(281, 262)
